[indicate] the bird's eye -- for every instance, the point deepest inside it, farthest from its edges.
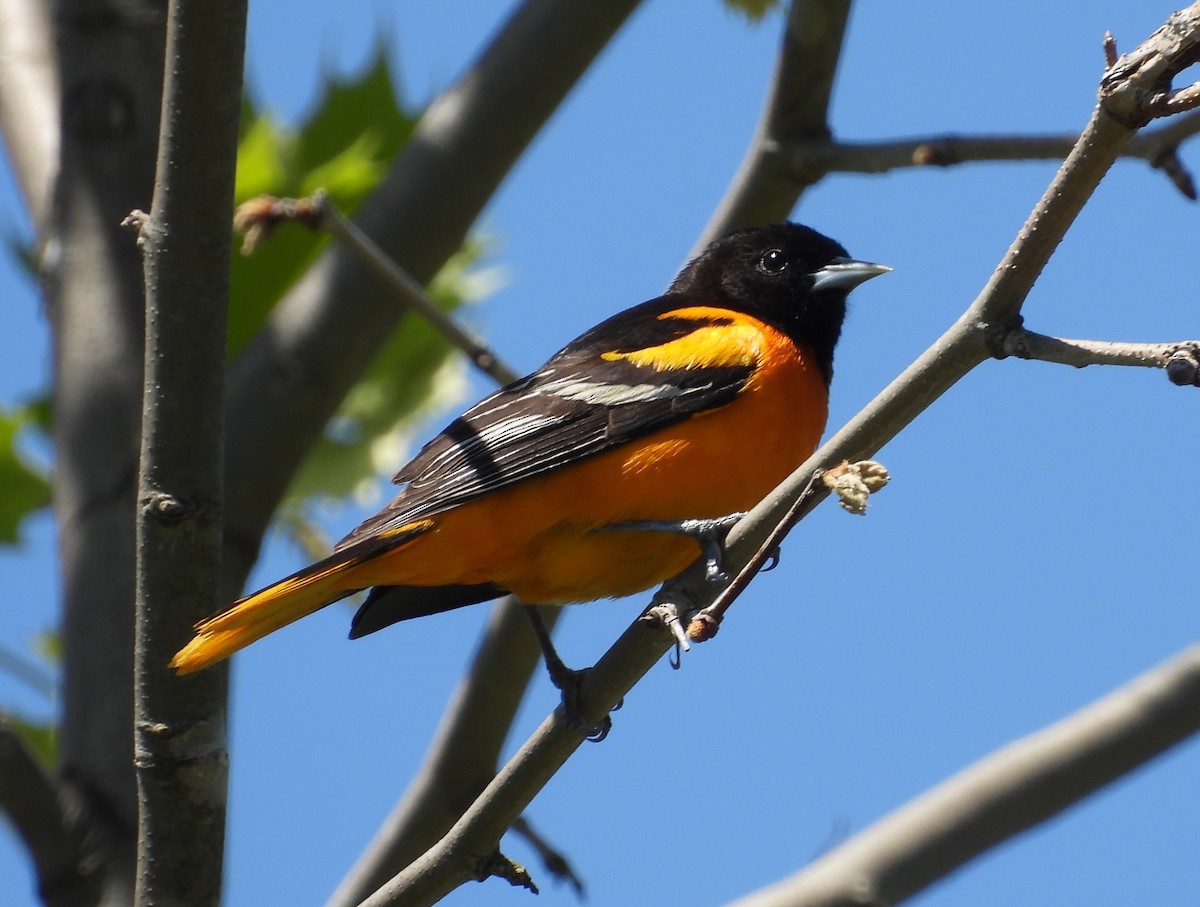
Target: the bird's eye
(772, 261)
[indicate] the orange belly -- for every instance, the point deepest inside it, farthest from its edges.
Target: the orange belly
(538, 538)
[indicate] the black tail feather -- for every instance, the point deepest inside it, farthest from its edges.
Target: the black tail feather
(386, 605)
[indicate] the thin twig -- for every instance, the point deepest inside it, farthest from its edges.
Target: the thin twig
(258, 218)
(1178, 101)
(703, 625)
(1026, 344)
(1110, 50)
(810, 160)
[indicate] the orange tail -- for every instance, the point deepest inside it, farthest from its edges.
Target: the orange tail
(253, 617)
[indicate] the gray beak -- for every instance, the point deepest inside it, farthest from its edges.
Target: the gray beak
(846, 274)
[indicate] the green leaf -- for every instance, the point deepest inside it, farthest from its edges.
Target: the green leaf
(345, 147)
(416, 372)
(350, 175)
(352, 108)
(754, 10)
(25, 488)
(48, 647)
(42, 739)
(264, 159)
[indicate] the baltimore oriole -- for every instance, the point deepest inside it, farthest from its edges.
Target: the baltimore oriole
(692, 405)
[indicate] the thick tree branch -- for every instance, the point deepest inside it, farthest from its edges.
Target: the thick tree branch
(765, 188)
(29, 101)
(1004, 794)
(65, 845)
(462, 757)
(289, 381)
(110, 67)
(180, 758)
(469, 847)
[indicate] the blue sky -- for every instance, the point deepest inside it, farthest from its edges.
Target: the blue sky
(1032, 552)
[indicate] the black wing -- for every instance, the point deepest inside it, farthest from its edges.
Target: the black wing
(580, 403)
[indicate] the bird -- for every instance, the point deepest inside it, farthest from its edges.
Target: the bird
(609, 469)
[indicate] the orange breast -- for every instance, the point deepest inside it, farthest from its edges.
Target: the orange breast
(538, 539)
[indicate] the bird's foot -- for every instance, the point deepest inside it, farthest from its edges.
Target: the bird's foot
(569, 683)
(708, 532)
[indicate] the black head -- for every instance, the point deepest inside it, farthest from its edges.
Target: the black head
(791, 277)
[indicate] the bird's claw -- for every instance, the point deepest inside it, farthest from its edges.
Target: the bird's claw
(570, 682)
(709, 533)
(772, 560)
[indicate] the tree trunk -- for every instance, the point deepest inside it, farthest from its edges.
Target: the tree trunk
(110, 69)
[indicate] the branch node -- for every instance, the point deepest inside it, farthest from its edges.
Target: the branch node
(940, 153)
(257, 218)
(1137, 87)
(666, 612)
(553, 860)
(1110, 50)
(1183, 367)
(1007, 338)
(854, 483)
(497, 865)
(168, 509)
(138, 221)
(703, 626)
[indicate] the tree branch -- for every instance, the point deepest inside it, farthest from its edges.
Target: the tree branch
(463, 756)
(1002, 795)
(995, 312)
(411, 293)
(65, 845)
(259, 216)
(180, 758)
(289, 381)
(469, 847)
(765, 188)
(1026, 344)
(809, 161)
(110, 68)
(28, 101)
